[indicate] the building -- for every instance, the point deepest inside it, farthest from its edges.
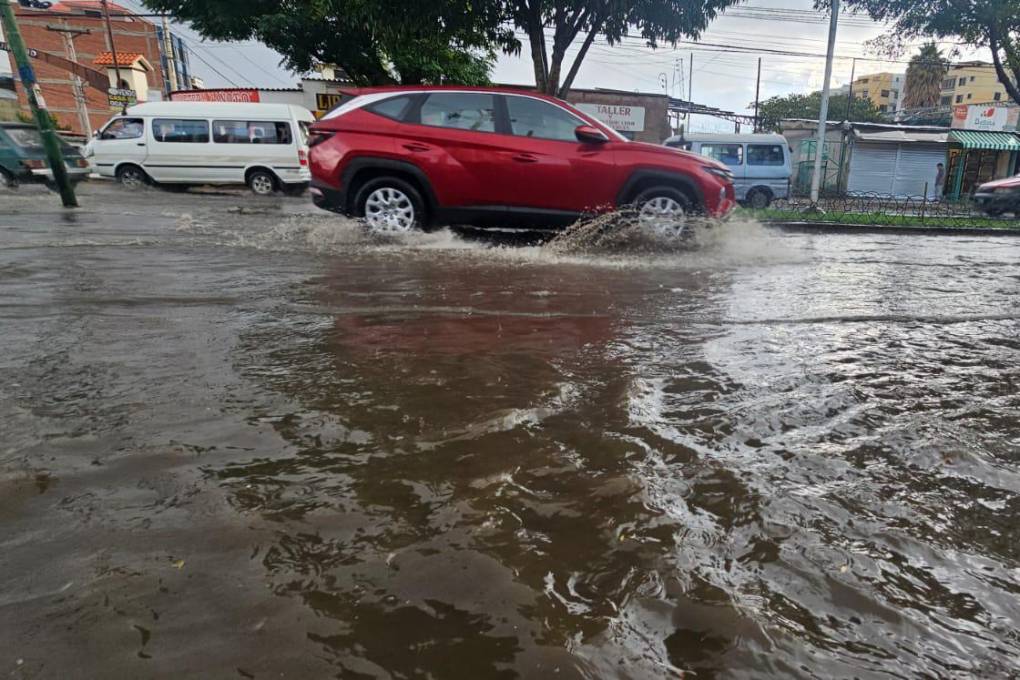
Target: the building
(315, 93)
(75, 30)
(885, 90)
(900, 161)
(971, 82)
(982, 146)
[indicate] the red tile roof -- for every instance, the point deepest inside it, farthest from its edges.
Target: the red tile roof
(71, 5)
(123, 58)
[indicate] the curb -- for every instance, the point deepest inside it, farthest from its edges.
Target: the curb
(839, 228)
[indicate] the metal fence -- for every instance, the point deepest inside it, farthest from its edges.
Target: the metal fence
(892, 211)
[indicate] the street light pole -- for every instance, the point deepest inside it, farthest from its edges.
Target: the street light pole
(42, 117)
(757, 92)
(823, 113)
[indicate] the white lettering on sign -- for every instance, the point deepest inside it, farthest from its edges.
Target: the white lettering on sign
(619, 117)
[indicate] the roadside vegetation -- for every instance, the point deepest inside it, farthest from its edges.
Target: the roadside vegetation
(880, 219)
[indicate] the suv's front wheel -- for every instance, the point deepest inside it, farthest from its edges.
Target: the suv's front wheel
(390, 205)
(663, 211)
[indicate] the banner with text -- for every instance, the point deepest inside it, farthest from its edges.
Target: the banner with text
(620, 118)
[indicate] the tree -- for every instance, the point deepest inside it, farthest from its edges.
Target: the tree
(925, 73)
(774, 109)
(994, 24)
(376, 42)
(656, 21)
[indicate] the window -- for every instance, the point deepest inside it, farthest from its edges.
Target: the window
(863, 81)
(962, 81)
(765, 154)
(730, 154)
(180, 131)
(972, 79)
(997, 96)
(885, 93)
(959, 98)
(25, 136)
(949, 83)
(394, 108)
(882, 108)
(946, 101)
(969, 95)
(473, 111)
(124, 128)
(864, 94)
(251, 132)
(534, 118)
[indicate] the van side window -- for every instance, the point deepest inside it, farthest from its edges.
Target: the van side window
(124, 128)
(180, 131)
(730, 154)
(765, 154)
(251, 132)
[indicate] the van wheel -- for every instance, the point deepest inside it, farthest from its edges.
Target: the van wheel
(390, 206)
(7, 180)
(261, 182)
(663, 211)
(758, 199)
(131, 176)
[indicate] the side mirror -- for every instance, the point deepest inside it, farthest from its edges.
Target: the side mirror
(587, 134)
(95, 133)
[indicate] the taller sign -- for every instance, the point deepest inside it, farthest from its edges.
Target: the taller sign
(618, 117)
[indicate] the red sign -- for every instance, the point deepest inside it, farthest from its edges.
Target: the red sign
(234, 96)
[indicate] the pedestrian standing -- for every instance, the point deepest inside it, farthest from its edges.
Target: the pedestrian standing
(940, 179)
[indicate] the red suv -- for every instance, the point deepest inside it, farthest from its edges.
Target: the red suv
(408, 158)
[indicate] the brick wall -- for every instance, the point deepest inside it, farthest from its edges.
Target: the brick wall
(131, 35)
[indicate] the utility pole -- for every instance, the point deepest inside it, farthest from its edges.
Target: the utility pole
(690, 94)
(850, 92)
(168, 51)
(42, 117)
(69, 34)
(757, 92)
(823, 113)
(113, 47)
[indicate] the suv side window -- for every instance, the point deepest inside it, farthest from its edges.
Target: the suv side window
(729, 154)
(393, 108)
(765, 154)
(474, 111)
(124, 128)
(536, 118)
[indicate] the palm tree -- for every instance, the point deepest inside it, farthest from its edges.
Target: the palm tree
(925, 72)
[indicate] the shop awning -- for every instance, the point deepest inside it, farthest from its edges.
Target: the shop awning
(995, 141)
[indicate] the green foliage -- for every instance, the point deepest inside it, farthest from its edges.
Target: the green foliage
(925, 73)
(773, 110)
(376, 42)
(994, 24)
(26, 117)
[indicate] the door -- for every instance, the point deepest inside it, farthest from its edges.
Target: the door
(180, 151)
(872, 168)
(732, 156)
(122, 140)
(544, 166)
(916, 168)
(767, 165)
(240, 144)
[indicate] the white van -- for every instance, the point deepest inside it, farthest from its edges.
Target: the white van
(760, 163)
(181, 143)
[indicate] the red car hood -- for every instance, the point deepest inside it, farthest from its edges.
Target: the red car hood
(1008, 183)
(671, 152)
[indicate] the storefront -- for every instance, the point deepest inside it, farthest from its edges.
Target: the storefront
(977, 157)
(901, 163)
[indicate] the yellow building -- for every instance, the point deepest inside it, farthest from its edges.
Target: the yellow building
(971, 82)
(885, 90)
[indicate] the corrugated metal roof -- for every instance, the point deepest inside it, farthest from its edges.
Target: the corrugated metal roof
(900, 136)
(994, 141)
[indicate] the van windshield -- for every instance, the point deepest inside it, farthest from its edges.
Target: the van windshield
(29, 137)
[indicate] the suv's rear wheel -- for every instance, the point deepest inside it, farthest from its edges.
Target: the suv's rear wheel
(663, 211)
(390, 205)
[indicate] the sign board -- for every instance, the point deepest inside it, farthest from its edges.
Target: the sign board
(618, 117)
(120, 97)
(324, 101)
(241, 96)
(985, 118)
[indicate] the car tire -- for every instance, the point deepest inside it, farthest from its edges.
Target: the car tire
(758, 199)
(390, 205)
(665, 211)
(7, 180)
(261, 182)
(132, 176)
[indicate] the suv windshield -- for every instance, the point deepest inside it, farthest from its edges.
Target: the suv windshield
(25, 137)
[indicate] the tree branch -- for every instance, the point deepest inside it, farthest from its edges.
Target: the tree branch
(993, 43)
(576, 66)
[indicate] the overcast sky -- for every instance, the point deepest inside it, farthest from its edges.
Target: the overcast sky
(721, 79)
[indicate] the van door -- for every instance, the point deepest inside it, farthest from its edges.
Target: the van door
(732, 156)
(241, 144)
(123, 140)
(180, 151)
(768, 167)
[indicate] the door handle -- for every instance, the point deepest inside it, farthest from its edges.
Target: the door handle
(139, 143)
(525, 158)
(416, 147)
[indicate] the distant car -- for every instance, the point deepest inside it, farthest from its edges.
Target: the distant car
(760, 162)
(999, 197)
(409, 158)
(23, 158)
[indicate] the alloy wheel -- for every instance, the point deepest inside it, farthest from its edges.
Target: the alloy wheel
(390, 211)
(664, 216)
(262, 184)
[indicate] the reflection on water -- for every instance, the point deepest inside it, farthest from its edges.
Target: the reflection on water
(264, 447)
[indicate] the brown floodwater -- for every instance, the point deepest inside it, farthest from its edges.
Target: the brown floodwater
(253, 443)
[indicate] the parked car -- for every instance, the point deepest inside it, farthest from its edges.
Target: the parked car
(760, 163)
(186, 143)
(410, 158)
(999, 197)
(23, 158)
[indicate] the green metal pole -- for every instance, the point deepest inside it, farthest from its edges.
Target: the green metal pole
(42, 118)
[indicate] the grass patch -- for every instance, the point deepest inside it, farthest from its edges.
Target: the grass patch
(880, 219)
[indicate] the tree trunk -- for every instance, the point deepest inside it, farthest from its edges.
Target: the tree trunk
(576, 66)
(1000, 71)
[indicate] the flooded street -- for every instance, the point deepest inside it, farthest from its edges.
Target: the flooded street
(250, 442)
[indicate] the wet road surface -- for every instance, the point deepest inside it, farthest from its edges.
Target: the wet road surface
(239, 439)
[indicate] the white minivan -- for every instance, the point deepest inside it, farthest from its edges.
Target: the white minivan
(182, 143)
(760, 163)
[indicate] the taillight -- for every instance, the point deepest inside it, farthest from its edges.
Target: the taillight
(34, 164)
(316, 137)
(302, 157)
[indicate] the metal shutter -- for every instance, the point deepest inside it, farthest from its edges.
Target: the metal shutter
(916, 165)
(872, 168)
